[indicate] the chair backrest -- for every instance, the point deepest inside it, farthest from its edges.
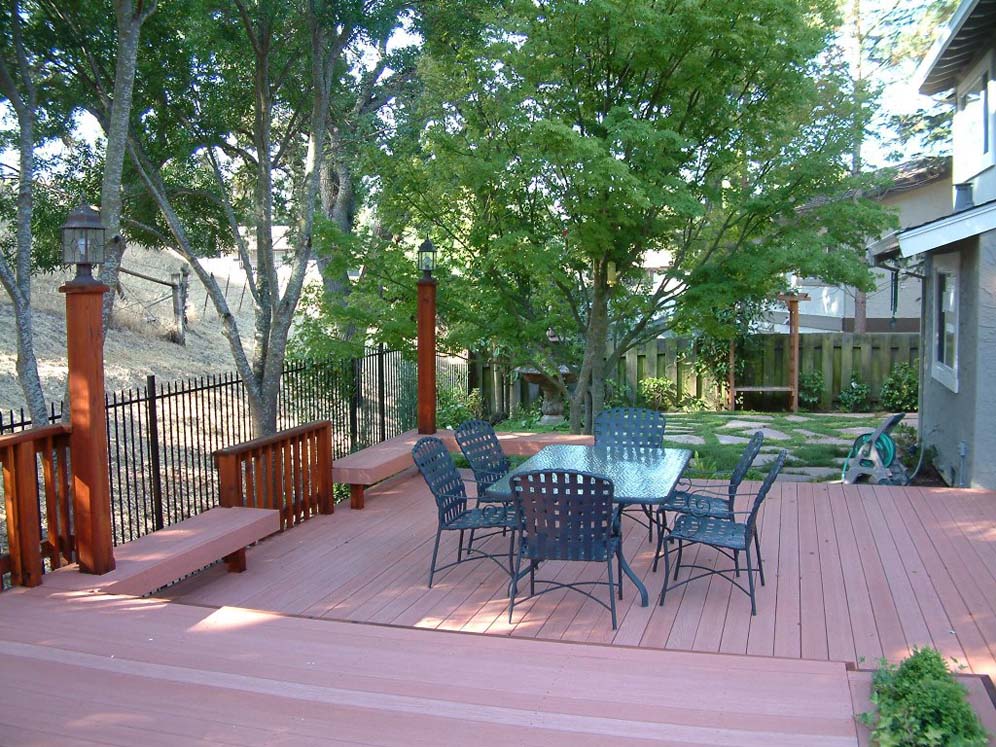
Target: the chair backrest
(743, 465)
(567, 515)
(762, 493)
(440, 474)
(629, 426)
(479, 443)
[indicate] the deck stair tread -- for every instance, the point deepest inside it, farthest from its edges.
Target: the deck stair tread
(154, 560)
(261, 675)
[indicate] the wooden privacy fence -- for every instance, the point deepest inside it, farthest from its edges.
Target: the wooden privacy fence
(838, 356)
(31, 460)
(289, 471)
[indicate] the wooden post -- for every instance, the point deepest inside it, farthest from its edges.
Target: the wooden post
(792, 301)
(426, 354)
(88, 439)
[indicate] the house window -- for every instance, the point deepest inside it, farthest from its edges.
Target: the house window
(944, 366)
(975, 122)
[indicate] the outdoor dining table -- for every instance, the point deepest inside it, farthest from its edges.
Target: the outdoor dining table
(641, 477)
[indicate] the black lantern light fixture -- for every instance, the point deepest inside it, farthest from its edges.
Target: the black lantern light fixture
(427, 258)
(83, 241)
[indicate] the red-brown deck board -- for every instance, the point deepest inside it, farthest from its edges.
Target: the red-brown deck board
(853, 573)
(100, 669)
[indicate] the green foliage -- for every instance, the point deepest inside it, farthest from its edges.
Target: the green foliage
(532, 178)
(618, 393)
(659, 394)
(524, 417)
(455, 406)
(901, 389)
(811, 389)
(856, 396)
(920, 704)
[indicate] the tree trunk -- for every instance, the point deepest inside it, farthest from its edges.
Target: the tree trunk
(591, 378)
(338, 198)
(129, 27)
(17, 281)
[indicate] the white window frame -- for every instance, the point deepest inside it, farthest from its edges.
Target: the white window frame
(945, 319)
(971, 155)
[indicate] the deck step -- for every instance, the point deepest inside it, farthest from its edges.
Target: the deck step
(291, 677)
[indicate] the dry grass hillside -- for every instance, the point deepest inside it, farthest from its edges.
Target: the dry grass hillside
(137, 343)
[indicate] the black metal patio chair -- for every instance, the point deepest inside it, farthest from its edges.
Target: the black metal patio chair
(727, 535)
(704, 500)
(566, 515)
(634, 427)
(479, 444)
(440, 473)
(630, 426)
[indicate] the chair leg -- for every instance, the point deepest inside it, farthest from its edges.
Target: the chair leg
(649, 513)
(677, 565)
(460, 548)
(435, 552)
(619, 571)
(612, 591)
(470, 542)
(532, 578)
(750, 582)
(667, 571)
(660, 540)
(513, 586)
(511, 550)
(760, 565)
(736, 563)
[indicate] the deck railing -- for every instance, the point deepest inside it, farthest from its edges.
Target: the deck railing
(36, 467)
(289, 471)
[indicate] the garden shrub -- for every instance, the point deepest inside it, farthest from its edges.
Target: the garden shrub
(525, 417)
(811, 389)
(659, 394)
(920, 704)
(455, 406)
(901, 389)
(856, 396)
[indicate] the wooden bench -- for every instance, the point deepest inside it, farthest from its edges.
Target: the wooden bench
(376, 463)
(157, 559)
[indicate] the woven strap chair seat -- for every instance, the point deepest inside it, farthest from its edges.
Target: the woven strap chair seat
(487, 517)
(710, 530)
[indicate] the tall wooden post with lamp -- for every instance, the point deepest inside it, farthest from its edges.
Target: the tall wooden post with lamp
(426, 324)
(83, 246)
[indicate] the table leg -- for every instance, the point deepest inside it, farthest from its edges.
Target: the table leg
(637, 582)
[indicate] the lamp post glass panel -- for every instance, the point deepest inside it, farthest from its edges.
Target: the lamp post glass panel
(83, 241)
(426, 322)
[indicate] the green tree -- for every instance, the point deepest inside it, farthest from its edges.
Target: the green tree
(566, 141)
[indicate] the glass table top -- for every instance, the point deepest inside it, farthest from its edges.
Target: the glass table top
(640, 476)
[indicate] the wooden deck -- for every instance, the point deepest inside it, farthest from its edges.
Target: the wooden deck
(855, 574)
(86, 670)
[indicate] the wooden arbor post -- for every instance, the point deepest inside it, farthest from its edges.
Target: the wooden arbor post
(88, 439)
(427, 353)
(792, 301)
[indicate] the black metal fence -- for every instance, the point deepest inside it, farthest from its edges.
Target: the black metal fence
(161, 438)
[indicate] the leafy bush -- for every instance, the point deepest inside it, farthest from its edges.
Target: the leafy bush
(617, 394)
(919, 704)
(454, 406)
(659, 394)
(811, 389)
(524, 417)
(856, 396)
(901, 389)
